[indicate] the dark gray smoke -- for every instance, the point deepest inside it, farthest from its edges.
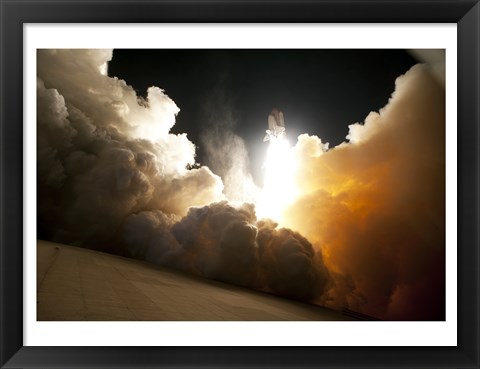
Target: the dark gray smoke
(227, 243)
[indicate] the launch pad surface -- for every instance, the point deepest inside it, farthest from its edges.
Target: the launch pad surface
(76, 284)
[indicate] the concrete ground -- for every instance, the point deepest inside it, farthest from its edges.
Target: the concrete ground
(80, 284)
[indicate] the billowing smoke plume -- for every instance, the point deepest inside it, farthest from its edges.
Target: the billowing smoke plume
(104, 153)
(366, 232)
(112, 177)
(227, 243)
(376, 206)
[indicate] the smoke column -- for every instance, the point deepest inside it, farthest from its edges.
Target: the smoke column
(365, 232)
(226, 153)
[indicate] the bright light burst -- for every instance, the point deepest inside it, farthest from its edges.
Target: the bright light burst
(279, 188)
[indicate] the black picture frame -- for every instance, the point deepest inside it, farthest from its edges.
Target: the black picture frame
(15, 13)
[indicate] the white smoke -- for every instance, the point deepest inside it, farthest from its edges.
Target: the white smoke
(104, 153)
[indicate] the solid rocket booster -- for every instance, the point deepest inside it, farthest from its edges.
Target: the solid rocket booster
(276, 125)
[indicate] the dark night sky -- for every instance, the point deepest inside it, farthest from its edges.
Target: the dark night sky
(320, 92)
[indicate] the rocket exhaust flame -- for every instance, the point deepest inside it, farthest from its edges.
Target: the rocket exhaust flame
(279, 189)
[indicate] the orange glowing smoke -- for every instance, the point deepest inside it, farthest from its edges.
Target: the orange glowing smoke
(375, 207)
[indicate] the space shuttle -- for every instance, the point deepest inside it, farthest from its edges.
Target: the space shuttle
(276, 125)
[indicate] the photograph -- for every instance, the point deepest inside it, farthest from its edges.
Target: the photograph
(241, 184)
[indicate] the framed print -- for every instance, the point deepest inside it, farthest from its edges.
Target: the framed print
(359, 252)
